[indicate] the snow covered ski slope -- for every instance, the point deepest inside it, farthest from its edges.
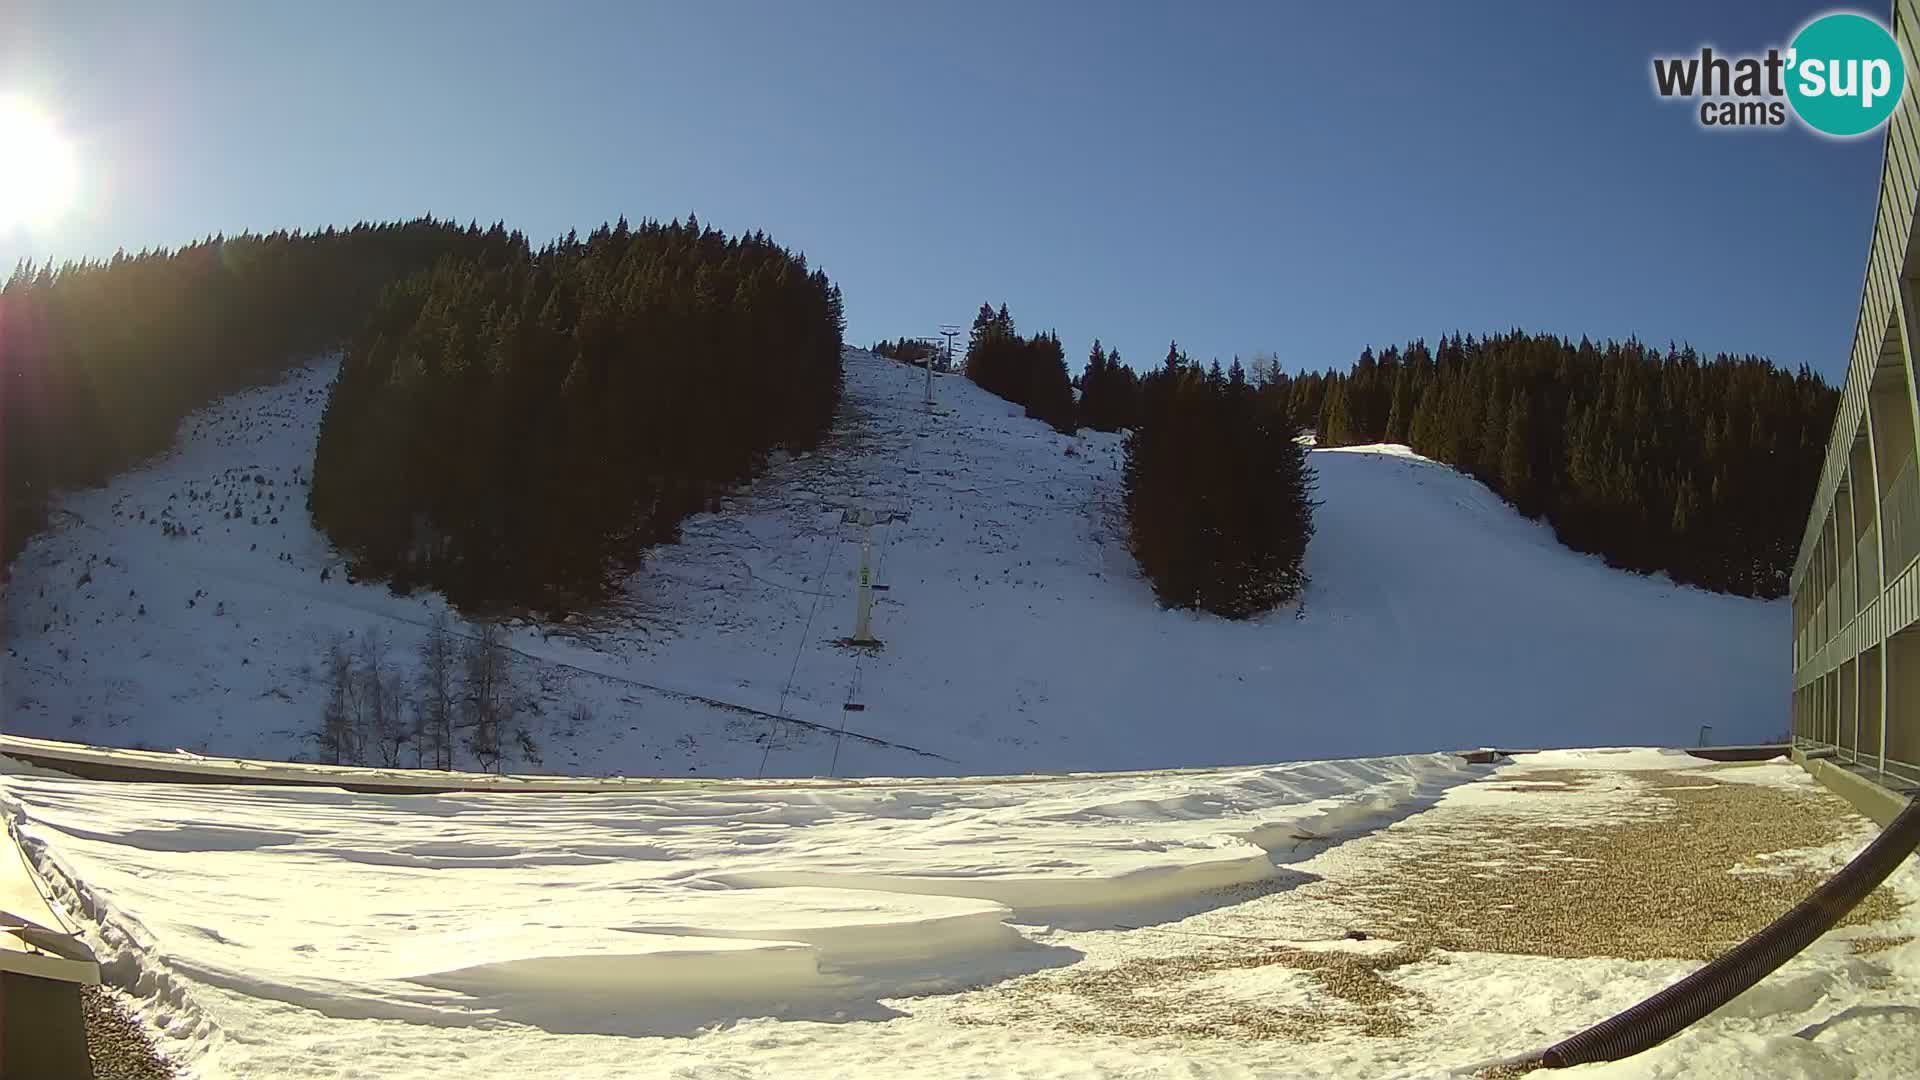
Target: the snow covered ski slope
(183, 606)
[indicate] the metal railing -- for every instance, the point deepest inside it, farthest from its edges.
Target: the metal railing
(1866, 566)
(1900, 516)
(1894, 773)
(1826, 720)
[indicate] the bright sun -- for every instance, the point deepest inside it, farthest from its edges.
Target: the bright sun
(37, 171)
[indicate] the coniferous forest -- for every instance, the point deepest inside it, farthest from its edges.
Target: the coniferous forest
(1218, 493)
(1028, 371)
(1657, 460)
(514, 428)
(906, 350)
(100, 360)
(1109, 391)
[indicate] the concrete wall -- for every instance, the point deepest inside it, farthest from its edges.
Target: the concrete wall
(42, 1030)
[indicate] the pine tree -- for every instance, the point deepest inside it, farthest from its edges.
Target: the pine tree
(1365, 424)
(1400, 415)
(1218, 492)
(1123, 393)
(1096, 386)
(1336, 418)
(1049, 395)
(983, 324)
(1686, 507)
(1516, 457)
(1492, 438)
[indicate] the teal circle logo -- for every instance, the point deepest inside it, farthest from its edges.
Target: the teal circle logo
(1845, 74)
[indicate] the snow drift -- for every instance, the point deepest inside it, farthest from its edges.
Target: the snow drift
(633, 913)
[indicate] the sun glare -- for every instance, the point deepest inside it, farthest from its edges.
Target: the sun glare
(37, 170)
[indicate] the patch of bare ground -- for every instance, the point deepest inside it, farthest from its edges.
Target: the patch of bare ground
(1869, 945)
(116, 1043)
(1159, 996)
(1686, 875)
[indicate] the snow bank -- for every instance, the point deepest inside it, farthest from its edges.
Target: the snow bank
(652, 913)
(1612, 759)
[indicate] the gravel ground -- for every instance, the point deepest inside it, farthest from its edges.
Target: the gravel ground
(1868, 946)
(118, 1046)
(1154, 997)
(1694, 869)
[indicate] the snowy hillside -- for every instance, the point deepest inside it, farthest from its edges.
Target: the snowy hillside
(184, 606)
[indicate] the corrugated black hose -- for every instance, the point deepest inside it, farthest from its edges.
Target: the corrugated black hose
(1668, 1012)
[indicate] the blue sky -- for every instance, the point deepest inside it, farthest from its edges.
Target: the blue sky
(1251, 177)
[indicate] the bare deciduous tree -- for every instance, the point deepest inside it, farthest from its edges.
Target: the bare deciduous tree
(382, 722)
(1264, 370)
(390, 730)
(489, 695)
(336, 723)
(434, 742)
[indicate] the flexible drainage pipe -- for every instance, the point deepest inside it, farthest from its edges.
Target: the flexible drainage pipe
(1666, 1013)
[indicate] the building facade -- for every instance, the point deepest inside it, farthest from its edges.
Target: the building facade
(1856, 583)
